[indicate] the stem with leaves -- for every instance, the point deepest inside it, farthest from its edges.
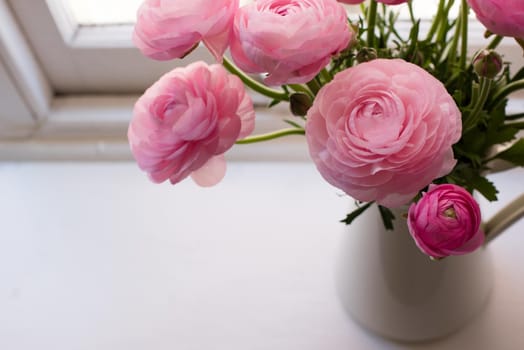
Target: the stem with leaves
(255, 85)
(477, 104)
(272, 135)
(506, 91)
(436, 21)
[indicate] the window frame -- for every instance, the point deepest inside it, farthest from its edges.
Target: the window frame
(70, 108)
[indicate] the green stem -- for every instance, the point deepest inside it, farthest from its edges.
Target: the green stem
(436, 20)
(253, 84)
(372, 19)
(464, 33)
(411, 14)
(444, 25)
(452, 54)
(314, 86)
(301, 88)
(326, 76)
(478, 105)
(271, 135)
(495, 42)
(507, 90)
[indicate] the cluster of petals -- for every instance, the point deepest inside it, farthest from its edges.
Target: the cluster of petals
(171, 29)
(446, 221)
(187, 120)
(288, 39)
(502, 17)
(383, 130)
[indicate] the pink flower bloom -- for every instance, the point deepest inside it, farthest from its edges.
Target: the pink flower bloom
(387, 2)
(170, 29)
(184, 123)
(446, 221)
(502, 17)
(291, 40)
(383, 130)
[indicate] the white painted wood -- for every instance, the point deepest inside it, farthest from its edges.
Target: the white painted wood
(102, 59)
(24, 70)
(64, 20)
(95, 128)
(16, 119)
(111, 149)
(96, 60)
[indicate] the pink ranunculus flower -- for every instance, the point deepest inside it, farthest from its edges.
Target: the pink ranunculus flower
(184, 123)
(291, 40)
(446, 221)
(502, 17)
(170, 29)
(383, 130)
(387, 2)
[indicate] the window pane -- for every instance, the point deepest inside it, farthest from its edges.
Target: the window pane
(103, 12)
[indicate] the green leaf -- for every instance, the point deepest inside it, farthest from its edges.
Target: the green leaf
(504, 134)
(355, 213)
(387, 217)
(292, 123)
(497, 115)
(514, 154)
(517, 126)
(519, 75)
(484, 186)
(515, 116)
(274, 103)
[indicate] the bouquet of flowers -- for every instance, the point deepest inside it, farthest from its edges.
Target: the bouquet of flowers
(397, 119)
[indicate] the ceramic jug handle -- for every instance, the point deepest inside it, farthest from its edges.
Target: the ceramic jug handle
(504, 218)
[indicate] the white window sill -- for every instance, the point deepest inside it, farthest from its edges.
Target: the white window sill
(94, 256)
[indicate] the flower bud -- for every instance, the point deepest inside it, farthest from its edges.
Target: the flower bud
(487, 64)
(446, 221)
(366, 54)
(299, 103)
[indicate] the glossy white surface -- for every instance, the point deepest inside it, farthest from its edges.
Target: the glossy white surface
(93, 256)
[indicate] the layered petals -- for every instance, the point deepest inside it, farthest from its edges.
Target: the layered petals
(446, 221)
(171, 29)
(288, 39)
(383, 130)
(502, 17)
(187, 120)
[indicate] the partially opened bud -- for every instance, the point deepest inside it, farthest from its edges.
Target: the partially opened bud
(487, 63)
(446, 221)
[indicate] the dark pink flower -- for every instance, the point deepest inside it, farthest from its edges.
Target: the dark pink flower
(446, 221)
